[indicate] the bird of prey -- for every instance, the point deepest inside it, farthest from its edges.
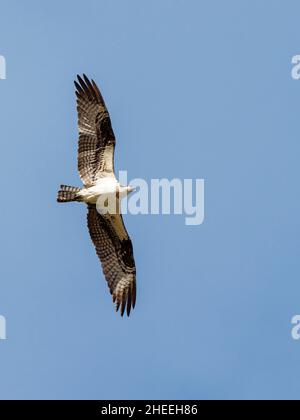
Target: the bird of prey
(96, 169)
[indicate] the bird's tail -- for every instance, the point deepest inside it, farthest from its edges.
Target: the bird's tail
(67, 193)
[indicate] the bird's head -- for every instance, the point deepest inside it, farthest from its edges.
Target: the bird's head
(130, 189)
(126, 190)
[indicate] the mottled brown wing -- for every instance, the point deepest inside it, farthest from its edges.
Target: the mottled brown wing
(96, 137)
(114, 248)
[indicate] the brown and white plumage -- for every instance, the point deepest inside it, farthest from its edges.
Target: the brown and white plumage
(96, 168)
(96, 137)
(114, 248)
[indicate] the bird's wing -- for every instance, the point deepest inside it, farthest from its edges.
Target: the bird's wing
(114, 248)
(96, 137)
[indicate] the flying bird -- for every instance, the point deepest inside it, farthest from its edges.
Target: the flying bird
(96, 148)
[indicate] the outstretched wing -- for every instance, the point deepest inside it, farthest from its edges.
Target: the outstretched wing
(96, 137)
(114, 248)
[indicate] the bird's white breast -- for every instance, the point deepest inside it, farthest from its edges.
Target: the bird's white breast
(104, 186)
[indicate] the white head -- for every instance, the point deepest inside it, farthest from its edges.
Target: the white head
(125, 190)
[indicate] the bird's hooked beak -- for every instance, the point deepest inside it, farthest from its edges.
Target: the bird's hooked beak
(131, 189)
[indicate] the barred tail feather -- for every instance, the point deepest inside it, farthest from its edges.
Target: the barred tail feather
(67, 194)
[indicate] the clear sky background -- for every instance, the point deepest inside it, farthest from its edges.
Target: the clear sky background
(196, 89)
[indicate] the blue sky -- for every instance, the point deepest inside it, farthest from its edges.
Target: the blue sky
(196, 89)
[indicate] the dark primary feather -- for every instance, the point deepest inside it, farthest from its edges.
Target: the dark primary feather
(116, 256)
(96, 137)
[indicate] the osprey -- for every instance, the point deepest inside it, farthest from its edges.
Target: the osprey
(96, 169)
